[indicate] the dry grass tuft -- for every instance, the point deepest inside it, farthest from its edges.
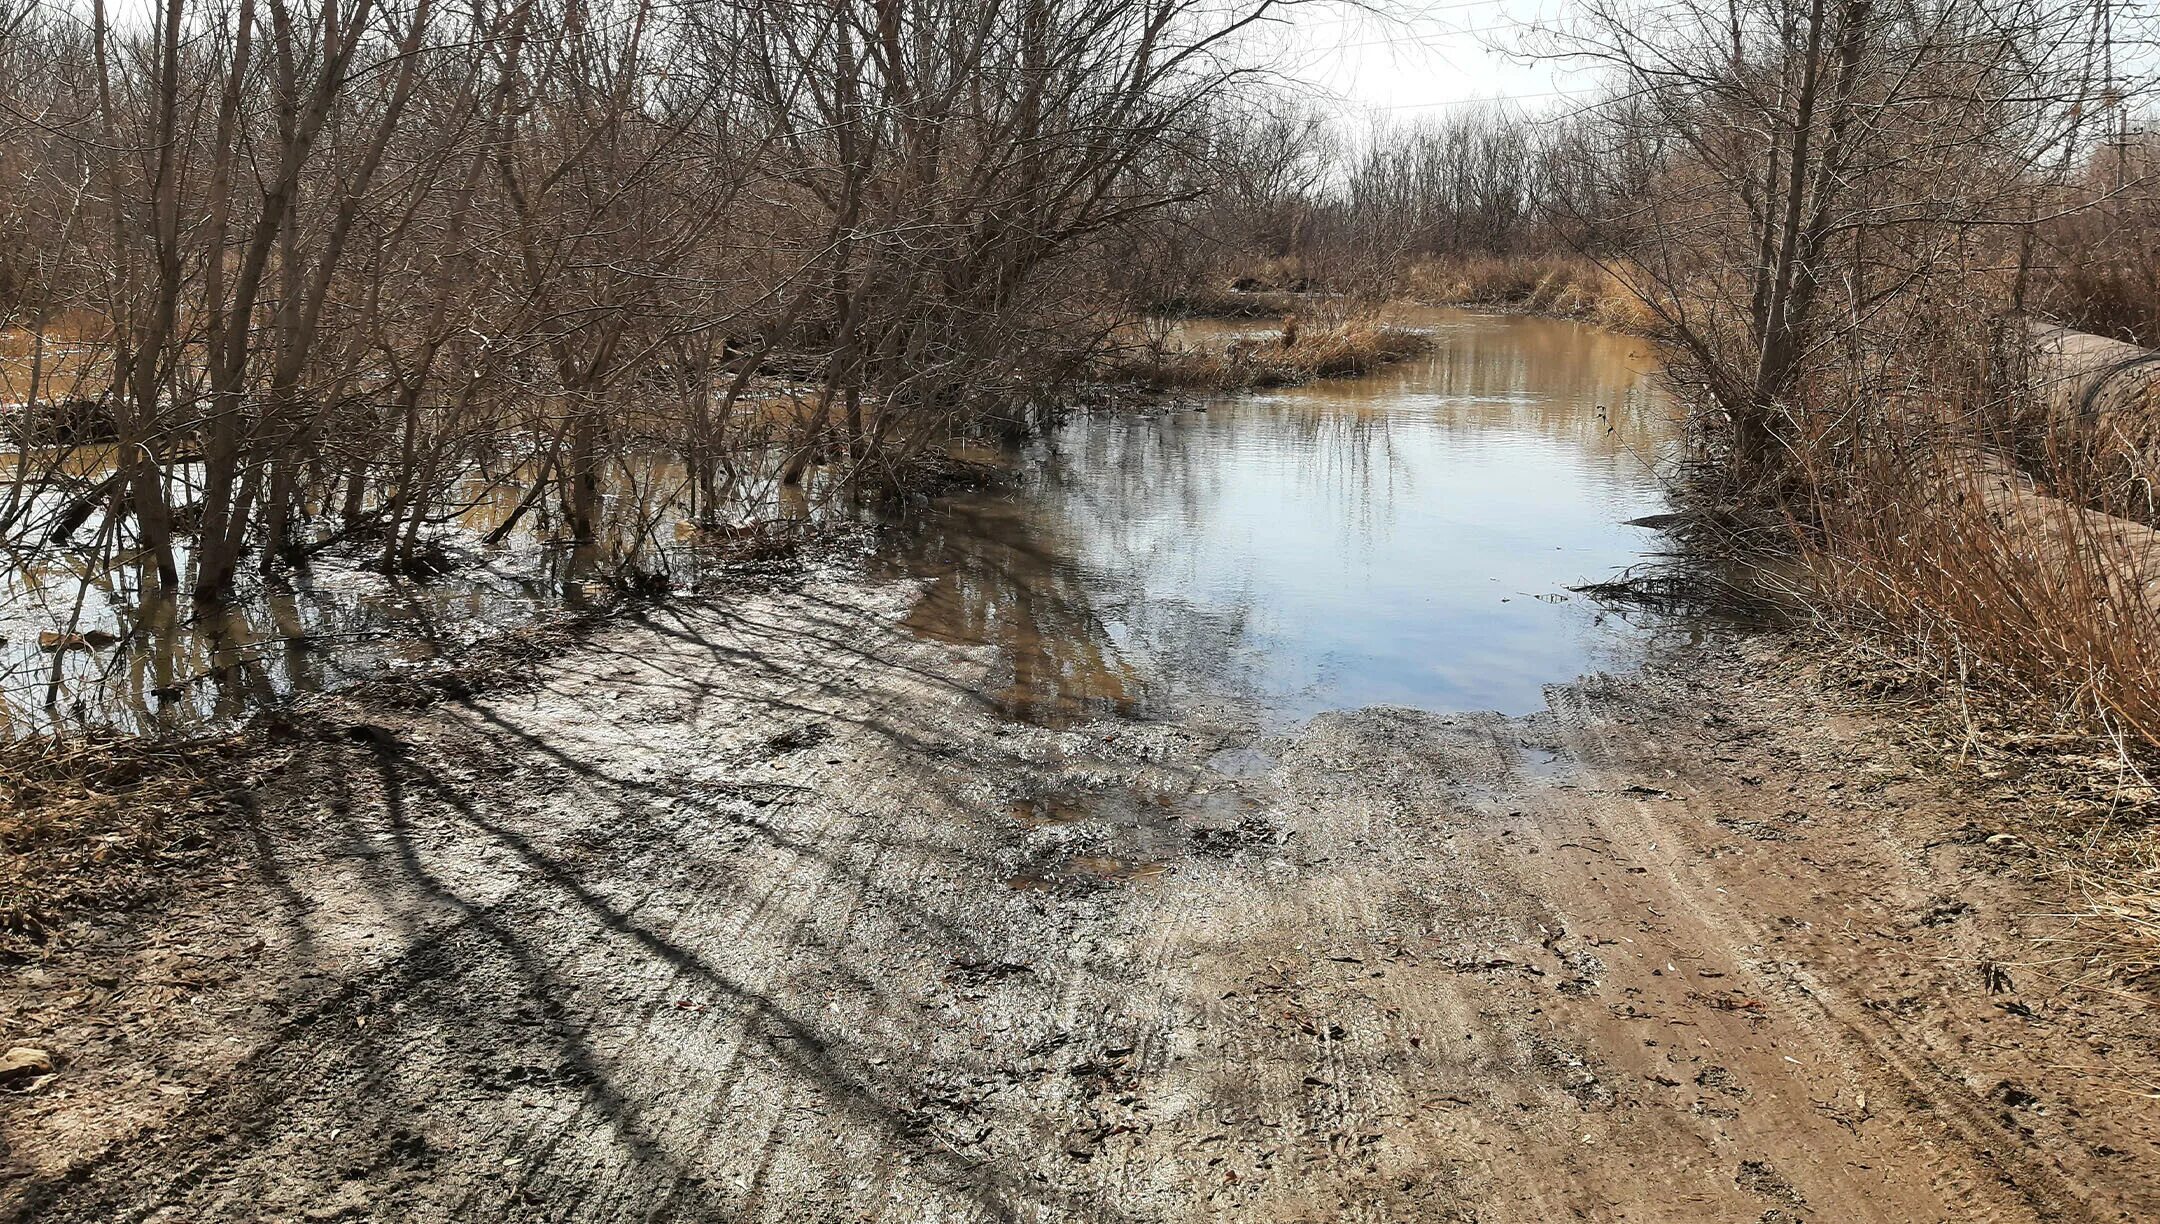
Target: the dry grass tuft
(2112, 933)
(1989, 581)
(2032, 621)
(2067, 803)
(1337, 351)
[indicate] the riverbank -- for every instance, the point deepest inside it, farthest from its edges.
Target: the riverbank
(97, 825)
(1557, 284)
(734, 896)
(1282, 355)
(100, 825)
(106, 820)
(1553, 284)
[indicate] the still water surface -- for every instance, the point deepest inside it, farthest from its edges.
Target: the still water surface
(1404, 538)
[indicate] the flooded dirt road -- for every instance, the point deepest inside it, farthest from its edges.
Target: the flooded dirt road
(1408, 537)
(946, 896)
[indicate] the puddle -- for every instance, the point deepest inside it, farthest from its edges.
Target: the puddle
(1405, 538)
(1541, 762)
(1130, 808)
(1408, 538)
(154, 665)
(1243, 764)
(1042, 813)
(1114, 868)
(1068, 835)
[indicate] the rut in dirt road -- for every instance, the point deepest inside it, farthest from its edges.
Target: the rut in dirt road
(722, 919)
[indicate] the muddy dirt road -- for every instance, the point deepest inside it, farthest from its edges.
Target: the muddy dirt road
(761, 910)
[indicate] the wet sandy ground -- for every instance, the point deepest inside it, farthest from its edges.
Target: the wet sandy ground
(759, 911)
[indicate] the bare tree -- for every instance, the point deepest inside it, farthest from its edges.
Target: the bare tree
(333, 273)
(1782, 170)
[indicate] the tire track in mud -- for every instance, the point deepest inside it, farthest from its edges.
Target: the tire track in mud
(492, 957)
(1935, 1091)
(678, 942)
(294, 1085)
(1932, 1104)
(1591, 900)
(299, 1073)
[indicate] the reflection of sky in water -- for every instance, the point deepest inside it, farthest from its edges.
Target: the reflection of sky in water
(1383, 541)
(1353, 542)
(1426, 598)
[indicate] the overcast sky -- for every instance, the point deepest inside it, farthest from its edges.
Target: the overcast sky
(1439, 54)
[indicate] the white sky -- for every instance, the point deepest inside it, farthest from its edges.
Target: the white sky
(1425, 57)
(1388, 59)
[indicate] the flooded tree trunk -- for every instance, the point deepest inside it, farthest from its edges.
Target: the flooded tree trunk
(809, 440)
(581, 476)
(277, 544)
(354, 506)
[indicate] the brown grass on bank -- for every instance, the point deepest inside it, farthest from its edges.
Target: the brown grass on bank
(1262, 289)
(1996, 541)
(1567, 285)
(1977, 543)
(1263, 360)
(1992, 581)
(2072, 808)
(2111, 931)
(2034, 622)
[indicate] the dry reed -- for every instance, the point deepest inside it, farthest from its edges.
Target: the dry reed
(2035, 619)
(1263, 360)
(1560, 284)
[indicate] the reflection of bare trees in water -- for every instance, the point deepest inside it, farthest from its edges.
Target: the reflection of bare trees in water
(1077, 638)
(1064, 575)
(1118, 472)
(322, 620)
(217, 663)
(1046, 577)
(1072, 640)
(1543, 377)
(1080, 578)
(1519, 372)
(1347, 439)
(997, 579)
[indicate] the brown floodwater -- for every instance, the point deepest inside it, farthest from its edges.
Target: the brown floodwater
(1408, 537)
